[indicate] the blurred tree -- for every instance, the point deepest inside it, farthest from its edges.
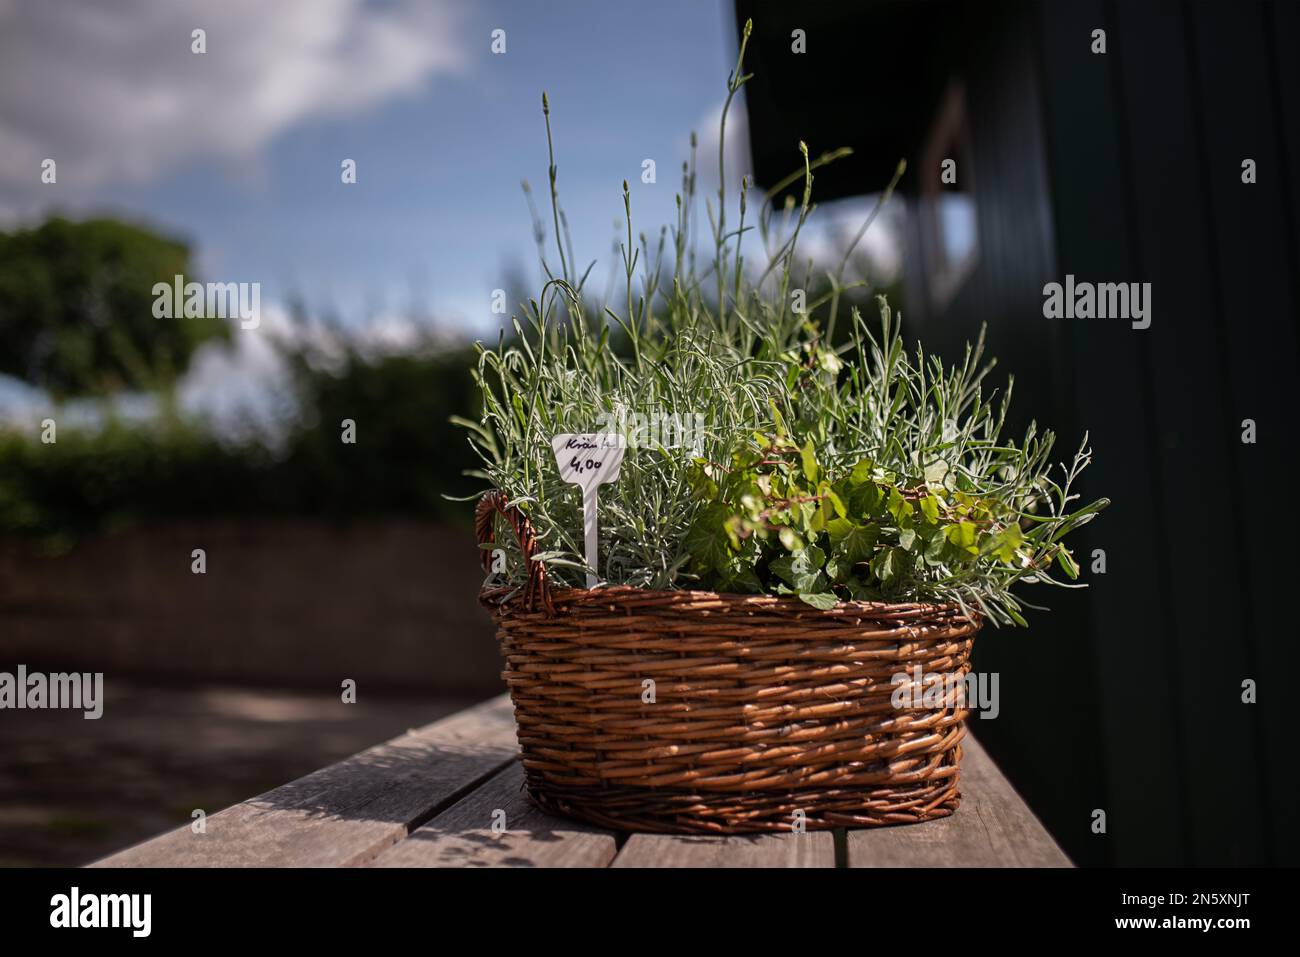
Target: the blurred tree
(76, 307)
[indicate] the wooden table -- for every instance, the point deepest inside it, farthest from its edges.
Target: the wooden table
(430, 798)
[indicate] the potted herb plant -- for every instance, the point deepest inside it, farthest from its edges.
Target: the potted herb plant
(794, 523)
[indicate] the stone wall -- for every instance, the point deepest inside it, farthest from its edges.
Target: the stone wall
(283, 603)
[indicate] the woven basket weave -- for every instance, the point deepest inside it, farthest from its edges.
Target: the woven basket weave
(764, 707)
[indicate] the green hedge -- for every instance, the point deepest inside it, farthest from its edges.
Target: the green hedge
(407, 456)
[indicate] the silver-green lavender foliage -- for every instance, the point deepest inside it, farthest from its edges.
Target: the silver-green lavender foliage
(720, 339)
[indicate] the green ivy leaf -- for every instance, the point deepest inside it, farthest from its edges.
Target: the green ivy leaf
(809, 459)
(733, 527)
(802, 570)
(888, 563)
(898, 506)
(854, 542)
(700, 483)
(836, 503)
(777, 417)
(824, 601)
(707, 541)
(837, 529)
(861, 473)
(963, 536)
(825, 510)
(865, 501)
(935, 472)
(1008, 543)
(930, 509)
(861, 591)
(808, 512)
(934, 548)
(741, 580)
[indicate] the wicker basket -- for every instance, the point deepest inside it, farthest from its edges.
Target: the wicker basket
(764, 707)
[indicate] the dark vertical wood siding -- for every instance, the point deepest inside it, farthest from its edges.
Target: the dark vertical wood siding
(1146, 144)
(1231, 50)
(1107, 392)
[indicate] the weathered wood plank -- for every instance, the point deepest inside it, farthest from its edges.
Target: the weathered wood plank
(992, 828)
(462, 836)
(810, 849)
(345, 814)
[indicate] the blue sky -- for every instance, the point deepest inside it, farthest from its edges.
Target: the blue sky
(239, 149)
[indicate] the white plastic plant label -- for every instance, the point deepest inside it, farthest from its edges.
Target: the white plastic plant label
(589, 460)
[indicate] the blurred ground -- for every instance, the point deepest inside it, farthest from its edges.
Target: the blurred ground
(72, 790)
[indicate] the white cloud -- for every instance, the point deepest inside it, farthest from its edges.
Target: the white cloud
(112, 91)
(241, 388)
(736, 156)
(832, 227)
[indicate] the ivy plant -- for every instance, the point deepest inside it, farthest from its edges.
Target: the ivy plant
(934, 511)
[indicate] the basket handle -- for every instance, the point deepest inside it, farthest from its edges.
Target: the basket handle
(484, 515)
